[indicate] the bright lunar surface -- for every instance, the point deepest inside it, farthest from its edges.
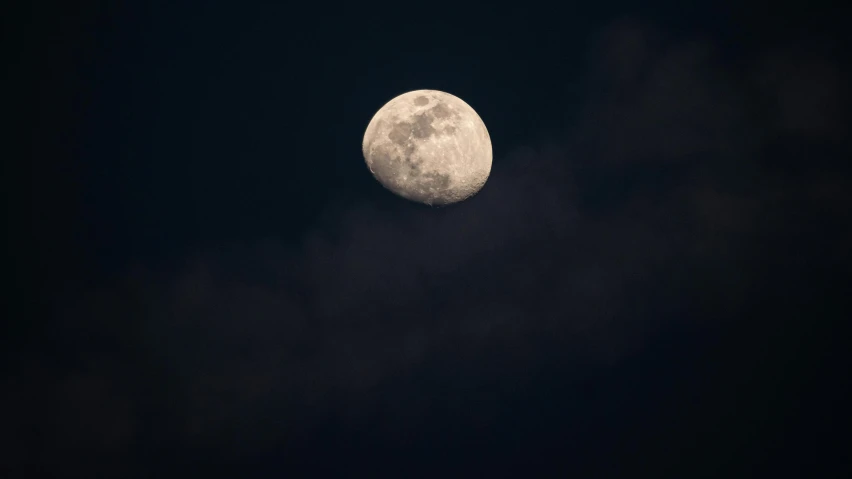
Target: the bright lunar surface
(428, 146)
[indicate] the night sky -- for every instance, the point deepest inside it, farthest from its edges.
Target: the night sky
(208, 281)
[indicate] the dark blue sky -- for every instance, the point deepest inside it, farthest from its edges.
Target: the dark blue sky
(651, 283)
(238, 121)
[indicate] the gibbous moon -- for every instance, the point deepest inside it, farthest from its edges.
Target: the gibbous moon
(428, 146)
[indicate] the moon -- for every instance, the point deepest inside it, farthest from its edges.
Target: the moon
(428, 146)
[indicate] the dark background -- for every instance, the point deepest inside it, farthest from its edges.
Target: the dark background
(208, 281)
